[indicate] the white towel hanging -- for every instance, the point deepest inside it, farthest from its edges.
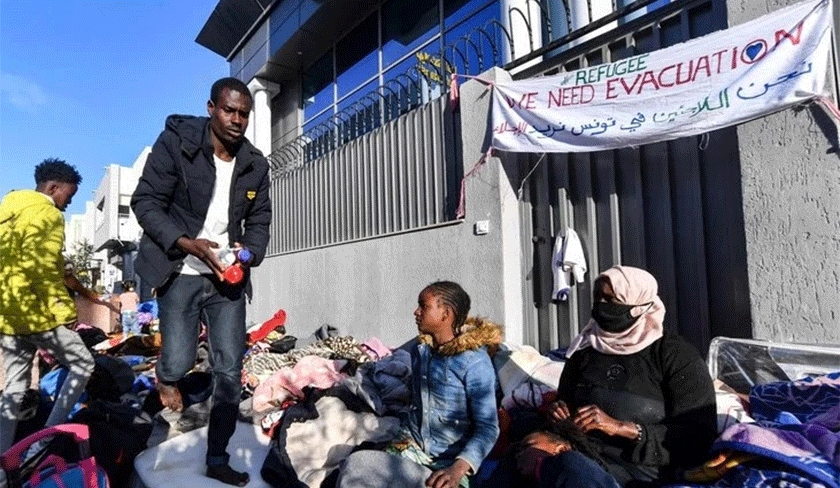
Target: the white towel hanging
(568, 262)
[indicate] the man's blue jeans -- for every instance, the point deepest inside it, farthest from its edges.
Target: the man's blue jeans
(185, 301)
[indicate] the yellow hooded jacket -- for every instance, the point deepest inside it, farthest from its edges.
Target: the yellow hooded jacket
(33, 297)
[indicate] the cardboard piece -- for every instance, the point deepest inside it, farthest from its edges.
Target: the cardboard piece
(97, 315)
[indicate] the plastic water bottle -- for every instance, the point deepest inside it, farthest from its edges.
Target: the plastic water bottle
(227, 256)
(230, 256)
(233, 259)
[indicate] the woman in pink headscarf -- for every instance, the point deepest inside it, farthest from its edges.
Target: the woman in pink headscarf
(645, 397)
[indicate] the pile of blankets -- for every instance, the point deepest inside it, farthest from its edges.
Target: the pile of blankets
(793, 442)
(369, 369)
(320, 400)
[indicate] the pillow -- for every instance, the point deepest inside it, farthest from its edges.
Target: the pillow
(515, 367)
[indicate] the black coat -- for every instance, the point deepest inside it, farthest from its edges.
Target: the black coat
(665, 388)
(174, 192)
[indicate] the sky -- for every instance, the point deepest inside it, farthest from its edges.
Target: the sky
(91, 82)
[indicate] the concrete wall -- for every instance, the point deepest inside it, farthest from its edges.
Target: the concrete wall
(370, 288)
(791, 193)
(285, 114)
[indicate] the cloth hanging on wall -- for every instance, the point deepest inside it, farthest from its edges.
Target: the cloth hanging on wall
(568, 263)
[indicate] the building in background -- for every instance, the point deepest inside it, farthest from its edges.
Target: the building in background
(109, 225)
(368, 159)
(78, 233)
(79, 228)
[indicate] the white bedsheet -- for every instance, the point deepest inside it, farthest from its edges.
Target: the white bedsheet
(179, 462)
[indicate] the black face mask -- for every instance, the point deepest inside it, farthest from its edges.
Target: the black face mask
(614, 317)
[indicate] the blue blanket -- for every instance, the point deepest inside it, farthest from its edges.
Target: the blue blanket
(796, 436)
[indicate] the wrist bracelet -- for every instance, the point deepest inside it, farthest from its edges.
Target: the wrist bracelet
(639, 432)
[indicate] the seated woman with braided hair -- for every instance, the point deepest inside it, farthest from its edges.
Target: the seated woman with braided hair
(453, 422)
(643, 397)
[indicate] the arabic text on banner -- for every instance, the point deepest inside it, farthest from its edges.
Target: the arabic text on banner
(722, 79)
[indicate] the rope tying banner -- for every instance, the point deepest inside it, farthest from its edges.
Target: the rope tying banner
(459, 213)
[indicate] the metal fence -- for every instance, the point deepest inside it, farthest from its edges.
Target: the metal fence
(428, 79)
(388, 162)
(401, 176)
(673, 208)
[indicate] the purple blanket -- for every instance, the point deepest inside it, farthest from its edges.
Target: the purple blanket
(812, 448)
(797, 435)
(795, 401)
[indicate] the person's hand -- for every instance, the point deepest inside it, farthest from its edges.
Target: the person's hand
(110, 305)
(557, 411)
(203, 250)
(449, 477)
(591, 417)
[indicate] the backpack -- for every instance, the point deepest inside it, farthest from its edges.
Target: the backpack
(111, 378)
(119, 432)
(65, 462)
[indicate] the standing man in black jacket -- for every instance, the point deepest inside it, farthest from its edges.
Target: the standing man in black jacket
(204, 188)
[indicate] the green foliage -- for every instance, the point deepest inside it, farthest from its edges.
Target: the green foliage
(81, 262)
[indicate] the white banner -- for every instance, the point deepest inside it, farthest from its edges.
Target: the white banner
(722, 79)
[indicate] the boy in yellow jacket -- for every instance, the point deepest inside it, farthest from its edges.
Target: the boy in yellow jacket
(35, 305)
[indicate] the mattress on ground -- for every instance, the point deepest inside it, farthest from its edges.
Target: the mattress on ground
(180, 460)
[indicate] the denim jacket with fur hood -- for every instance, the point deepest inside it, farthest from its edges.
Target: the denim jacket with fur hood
(453, 410)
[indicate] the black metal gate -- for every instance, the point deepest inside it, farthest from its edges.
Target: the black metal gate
(673, 208)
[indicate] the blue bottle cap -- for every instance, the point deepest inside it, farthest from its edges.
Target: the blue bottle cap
(244, 255)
